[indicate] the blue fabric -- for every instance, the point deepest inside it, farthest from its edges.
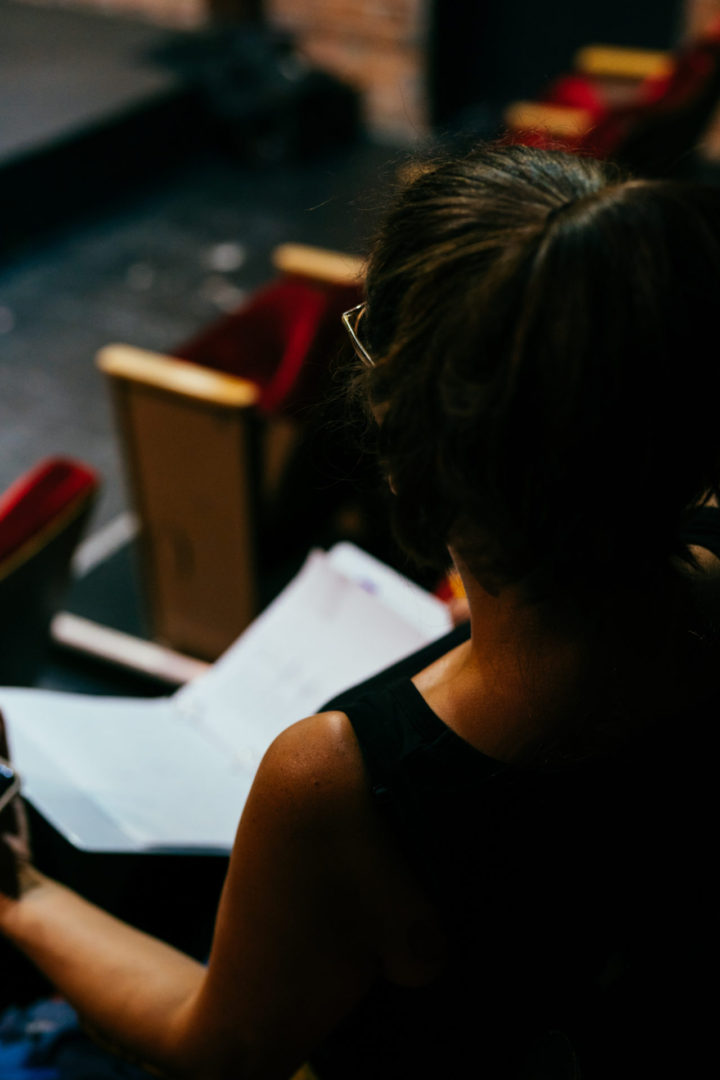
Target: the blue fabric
(29, 1038)
(44, 1041)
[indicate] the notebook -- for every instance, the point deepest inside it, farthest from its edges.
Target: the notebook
(172, 774)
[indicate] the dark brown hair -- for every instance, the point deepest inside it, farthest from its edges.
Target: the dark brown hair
(547, 368)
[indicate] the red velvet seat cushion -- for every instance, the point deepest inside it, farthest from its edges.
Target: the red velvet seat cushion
(576, 92)
(659, 101)
(38, 497)
(693, 76)
(282, 339)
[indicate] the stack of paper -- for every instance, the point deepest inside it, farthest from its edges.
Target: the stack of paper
(129, 774)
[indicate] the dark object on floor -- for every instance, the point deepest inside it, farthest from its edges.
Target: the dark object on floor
(42, 516)
(264, 101)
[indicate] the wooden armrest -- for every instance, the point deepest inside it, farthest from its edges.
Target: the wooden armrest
(616, 62)
(332, 267)
(561, 120)
(125, 651)
(177, 376)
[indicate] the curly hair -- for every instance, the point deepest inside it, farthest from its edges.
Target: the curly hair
(542, 332)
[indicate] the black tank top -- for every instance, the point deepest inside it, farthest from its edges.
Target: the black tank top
(554, 885)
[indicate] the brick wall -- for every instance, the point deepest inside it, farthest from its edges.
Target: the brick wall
(184, 13)
(698, 14)
(376, 45)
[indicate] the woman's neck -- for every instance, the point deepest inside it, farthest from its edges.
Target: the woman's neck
(521, 672)
(534, 674)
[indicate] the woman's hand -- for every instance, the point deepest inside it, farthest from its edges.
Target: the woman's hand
(306, 924)
(14, 838)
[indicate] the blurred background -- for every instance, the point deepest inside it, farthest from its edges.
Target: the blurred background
(153, 154)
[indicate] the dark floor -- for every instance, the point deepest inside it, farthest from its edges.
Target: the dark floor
(151, 273)
(63, 70)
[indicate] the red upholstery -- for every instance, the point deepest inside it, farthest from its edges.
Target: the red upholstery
(576, 92)
(694, 78)
(42, 516)
(39, 497)
(285, 338)
(672, 110)
(585, 92)
(444, 590)
(547, 141)
(282, 340)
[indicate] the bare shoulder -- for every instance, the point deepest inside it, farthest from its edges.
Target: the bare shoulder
(316, 766)
(317, 904)
(312, 789)
(314, 779)
(704, 580)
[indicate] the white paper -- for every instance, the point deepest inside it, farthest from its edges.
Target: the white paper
(322, 635)
(128, 774)
(417, 606)
(138, 762)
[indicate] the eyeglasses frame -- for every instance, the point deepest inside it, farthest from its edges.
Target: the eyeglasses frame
(350, 320)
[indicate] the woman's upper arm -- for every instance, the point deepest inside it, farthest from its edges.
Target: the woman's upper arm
(293, 949)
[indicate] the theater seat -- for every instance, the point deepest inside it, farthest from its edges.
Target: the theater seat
(207, 435)
(42, 516)
(644, 109)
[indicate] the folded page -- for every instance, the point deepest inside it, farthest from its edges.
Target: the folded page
(128, 774)
(123, 774)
